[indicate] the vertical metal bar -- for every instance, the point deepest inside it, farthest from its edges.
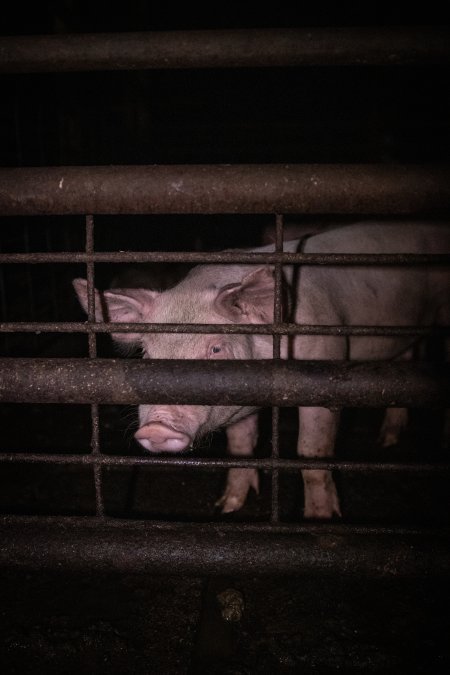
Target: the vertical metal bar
(277, 318)
(90, 283)
(277, 309)
(100, 510)
(274, 515)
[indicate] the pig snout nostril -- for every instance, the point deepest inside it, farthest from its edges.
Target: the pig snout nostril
(158, 437)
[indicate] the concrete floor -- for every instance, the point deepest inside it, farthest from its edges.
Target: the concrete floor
(136, 624)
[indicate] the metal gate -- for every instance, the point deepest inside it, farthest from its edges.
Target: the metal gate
(101, 540)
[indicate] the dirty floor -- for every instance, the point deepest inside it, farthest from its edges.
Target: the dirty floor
(139, 625)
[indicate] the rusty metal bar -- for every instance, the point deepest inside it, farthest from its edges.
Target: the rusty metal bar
(226, 257)
(389, 45)
(275, 466)
(315, 528)
(48, 543)
(90, 273)
(278, 292)
(211, 463)
(242, 329)
(277, 319)
(95, 445)
(227, 382)
(95, 448)
(245, 188)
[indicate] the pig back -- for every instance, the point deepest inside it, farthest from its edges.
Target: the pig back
(372, 295)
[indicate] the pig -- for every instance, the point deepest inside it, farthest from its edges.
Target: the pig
(324, 295)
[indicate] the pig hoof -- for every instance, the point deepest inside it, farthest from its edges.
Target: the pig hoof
(239, 482)
(395, 420)
(389, 438)
(322, 511)
(230, 503)
(321, 498)
(322, 507)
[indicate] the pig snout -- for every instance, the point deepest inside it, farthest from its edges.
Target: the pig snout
(159, 437)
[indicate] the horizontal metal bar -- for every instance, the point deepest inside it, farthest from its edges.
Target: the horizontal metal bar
(315, 528)
(211, 463)
(244, 188)
(227, 329)
(226, 48)
(227, 257)
(77, 544)
(224, 382)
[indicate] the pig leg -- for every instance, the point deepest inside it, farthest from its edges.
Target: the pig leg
(242, 438)
(394, 421)
(317, 433)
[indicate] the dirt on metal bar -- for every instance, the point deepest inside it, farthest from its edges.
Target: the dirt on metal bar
(222, 188)
(255, 383)
(210, 463)
(41, 543)
(242, 329)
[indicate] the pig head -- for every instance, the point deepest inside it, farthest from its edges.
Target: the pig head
(206, 296)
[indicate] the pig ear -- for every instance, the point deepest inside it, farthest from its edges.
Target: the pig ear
(129, 305)
(249, 301)
(80, 286)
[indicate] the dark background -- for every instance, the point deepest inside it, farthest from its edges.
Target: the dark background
(323, 114)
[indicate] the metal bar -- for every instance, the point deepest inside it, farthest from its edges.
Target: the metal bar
(225, 382)
(49, 543)
(241, 188)
(316, 528)
(277, 318)
(277, 296)
(95, 446)
(275, 474)
(95, 449)
(226, 49)
(242, 329)
(210, 463)
(90, 284)
(225, 257)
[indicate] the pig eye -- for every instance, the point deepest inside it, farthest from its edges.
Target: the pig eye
(216, 349)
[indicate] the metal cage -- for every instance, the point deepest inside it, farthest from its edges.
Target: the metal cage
(103, 541)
